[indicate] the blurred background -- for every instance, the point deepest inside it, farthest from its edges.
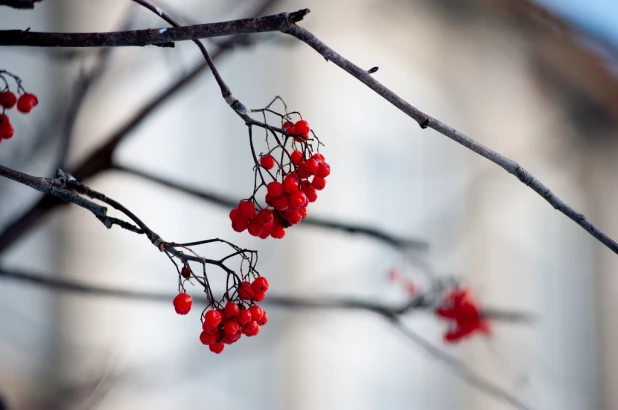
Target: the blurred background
(536, 81)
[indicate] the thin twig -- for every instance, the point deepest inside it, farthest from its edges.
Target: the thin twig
(19, 4)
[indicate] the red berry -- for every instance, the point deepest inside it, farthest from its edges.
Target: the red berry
(311, 166)
(296, 157)
(216, 347)
(256, 312)
(212, 318)
(302, 127)
(231, 310)
(323, 170)
(290, 184)
(303, 212)
(185, 272)
(26, 102)
(259, 296)
(297, 199)
(310, 193)
(6, 129)
(318, 157)
(260, 284)
(293, 218)
(275, 189)
(239, 224)
(182, 303)
(277, 231)
(231, 339)
(267, 161)
(230, 327)
(318, 183)
(302, 171)
(244, 316)
(7, 99)
(265, 217)
(287, 125)
(263, 320)
(246, 209)
(280, 203)
(207, 338)
(255, 228)
(233, 214)
(245, 291)
(251, 329)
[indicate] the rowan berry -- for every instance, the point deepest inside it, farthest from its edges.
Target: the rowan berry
(255, 228)
(260, 284)
(212, 318)
(256, 312)
(182, 303)
(26, 102)
(231, 339)
(287, 125)
(323, 170)
(277, 231)
(318, 157)
(280, 203)
(244, 316)
(245, 291)
(267, 161)
(231, 310)
(251, 329)
(266, 217)
(230, 327)
(263, 320)
(207, 338)
(7, 99)
(275, 189)
(290, 184)
(6, 129)
(239, 224)
(293, 218)
(310, 193)
(302, 171)
(318, 183)
(297, 199)
(233, 214)
(302, 127)
(246, 209)
(296, 157)
(216, 347)
(259, 296)
(311, 166)
(185, 272)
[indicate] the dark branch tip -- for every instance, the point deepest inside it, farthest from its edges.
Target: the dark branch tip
(373, 70)
(297, 16)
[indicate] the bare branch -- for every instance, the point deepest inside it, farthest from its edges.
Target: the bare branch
(19, 4)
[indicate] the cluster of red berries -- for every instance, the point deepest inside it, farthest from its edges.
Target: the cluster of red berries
(8, 100)
(463, 314)
(226, 325)
(298, 177)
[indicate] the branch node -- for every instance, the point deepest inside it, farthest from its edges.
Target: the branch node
(297, 16)
(425, 123)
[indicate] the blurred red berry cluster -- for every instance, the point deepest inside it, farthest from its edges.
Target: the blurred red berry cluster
(8, 100)
(463, 314)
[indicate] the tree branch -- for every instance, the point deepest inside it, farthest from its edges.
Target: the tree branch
(19, 4)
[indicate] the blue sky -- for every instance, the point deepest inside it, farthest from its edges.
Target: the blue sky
(599, 17)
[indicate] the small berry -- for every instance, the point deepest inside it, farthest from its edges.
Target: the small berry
(297, 199)
(275, 189)
(302, 171)
(251, 329)
(231, 310)
(7, 99)
(265, 217)
(312, 166)
(310, 193)
(256, 312)
(182, 303)
(239, 224)
(302, 127)
(216, 347)
(287, 125)
(26, 102)
(255, 228)
(233, 214)
(260, 284)
(245, 291)
(318, 157)
(267, 161)
(296, 157)
(263, 320)
(277, 231)
(318, 183)
(290, 184)
(230, 327)
(293, 218)
(207, 338)
(246, 209)
(244, 316)
(323, 170)
(185, 272)
(280, 203)
(212, 318)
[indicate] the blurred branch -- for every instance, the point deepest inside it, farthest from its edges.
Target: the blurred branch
(229, 203)
(19, 4)
(461, 369)
(391, 313)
